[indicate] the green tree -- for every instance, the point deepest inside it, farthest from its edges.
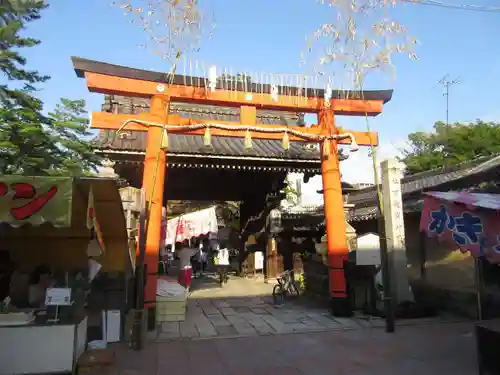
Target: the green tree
(229, 213)
(70, 134)
(25, 145)
(14, 14)
(30, 142)
(450, 144)
(54, 145)
(290, 190)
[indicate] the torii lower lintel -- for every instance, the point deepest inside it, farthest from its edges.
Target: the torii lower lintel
(111, 121)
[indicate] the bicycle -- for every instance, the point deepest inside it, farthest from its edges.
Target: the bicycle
(285, 288)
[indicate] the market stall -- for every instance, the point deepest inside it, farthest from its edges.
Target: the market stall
(471, 223)
(72, 229)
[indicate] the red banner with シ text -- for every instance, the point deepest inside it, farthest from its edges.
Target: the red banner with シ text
(35, 200)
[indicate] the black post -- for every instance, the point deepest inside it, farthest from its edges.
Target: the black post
(479, 286)
(423, 254)
(386, 276)
(267, 238)
(140, 275)
(137, 339)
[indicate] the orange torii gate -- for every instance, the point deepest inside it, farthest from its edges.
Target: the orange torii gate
(162, 89)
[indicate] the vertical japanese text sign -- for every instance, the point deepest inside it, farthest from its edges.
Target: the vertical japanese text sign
(394, 229)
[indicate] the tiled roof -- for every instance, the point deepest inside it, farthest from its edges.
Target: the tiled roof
(180, 144)
(454, 177)
(371, 212)
(121, 104)
(362, 213)
(301, 210)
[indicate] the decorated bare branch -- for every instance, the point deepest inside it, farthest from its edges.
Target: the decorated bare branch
(173, 27)
(361, 39)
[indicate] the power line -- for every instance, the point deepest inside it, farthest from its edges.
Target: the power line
(441, 4)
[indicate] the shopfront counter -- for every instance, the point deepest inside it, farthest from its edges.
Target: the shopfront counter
(42, 347)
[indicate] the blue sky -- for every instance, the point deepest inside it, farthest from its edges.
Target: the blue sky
(268, 36)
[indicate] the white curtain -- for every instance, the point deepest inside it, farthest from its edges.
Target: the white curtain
(191, 225)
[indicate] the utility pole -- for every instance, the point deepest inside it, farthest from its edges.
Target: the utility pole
(446, 83)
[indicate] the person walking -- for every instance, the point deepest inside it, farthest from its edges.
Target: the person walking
(195, 258)
(204, 249)
(222, 263)
(184, 252)
(203, 261)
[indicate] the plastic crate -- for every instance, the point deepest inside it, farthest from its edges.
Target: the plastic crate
(170, 309)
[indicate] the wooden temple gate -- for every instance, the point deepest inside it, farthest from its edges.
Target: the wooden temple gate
(160, 124)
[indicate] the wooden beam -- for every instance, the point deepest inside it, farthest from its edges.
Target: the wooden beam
(106, 84)
(248, 115)
(362, 138)
(111, 121)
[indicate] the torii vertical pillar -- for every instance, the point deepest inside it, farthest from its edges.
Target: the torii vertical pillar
(153, 181)
(334, 218)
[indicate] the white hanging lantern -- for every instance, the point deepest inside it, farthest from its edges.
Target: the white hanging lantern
(212, 78)
(275, 221)
(328, 95)
(274, 93)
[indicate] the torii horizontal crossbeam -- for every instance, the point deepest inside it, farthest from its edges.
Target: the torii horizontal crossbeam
(105, 84)
(110, 121)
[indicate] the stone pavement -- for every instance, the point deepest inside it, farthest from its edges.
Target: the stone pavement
(430, 349)
(207, 287)
(214, 312)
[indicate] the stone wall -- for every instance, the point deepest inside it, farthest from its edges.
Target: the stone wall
(439, 276)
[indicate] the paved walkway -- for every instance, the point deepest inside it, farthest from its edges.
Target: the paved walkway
(431, 349)
(243, 308)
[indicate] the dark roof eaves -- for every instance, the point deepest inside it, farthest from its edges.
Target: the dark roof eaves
(314, 161)
(487, 164)
(453, 173)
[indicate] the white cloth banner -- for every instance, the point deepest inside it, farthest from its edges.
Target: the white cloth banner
(191, 225)
(259, 260)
